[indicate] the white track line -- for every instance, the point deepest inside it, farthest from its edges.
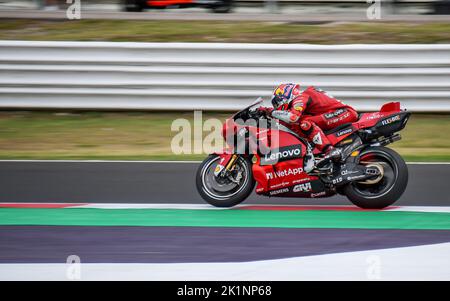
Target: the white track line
(440, 209)
(428, 262)
(112, 206)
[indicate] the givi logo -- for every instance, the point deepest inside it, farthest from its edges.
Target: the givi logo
(302, 187)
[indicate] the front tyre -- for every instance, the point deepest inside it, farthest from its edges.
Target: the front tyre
(225, 192)
(385, 190)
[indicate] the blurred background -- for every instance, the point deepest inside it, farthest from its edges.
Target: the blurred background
(108, 83)
(104, 80)
(242, 6)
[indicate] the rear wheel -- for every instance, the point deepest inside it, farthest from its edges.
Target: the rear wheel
(225, 191)
(387, 188)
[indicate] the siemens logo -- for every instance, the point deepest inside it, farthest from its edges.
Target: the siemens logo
(279, 191)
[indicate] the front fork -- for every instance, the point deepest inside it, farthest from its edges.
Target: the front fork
(226, 164)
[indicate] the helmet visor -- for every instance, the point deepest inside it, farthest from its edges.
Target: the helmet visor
(277, 101)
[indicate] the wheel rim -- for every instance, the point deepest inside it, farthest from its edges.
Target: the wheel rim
(223, 189)
(385, 184)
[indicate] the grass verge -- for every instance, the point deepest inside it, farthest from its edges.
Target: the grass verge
(222, 31)
(148, 136)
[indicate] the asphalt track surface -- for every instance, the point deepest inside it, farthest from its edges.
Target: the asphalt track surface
(48, 244)
(158, 182)
(154, 182)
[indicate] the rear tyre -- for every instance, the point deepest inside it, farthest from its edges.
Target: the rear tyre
(388, 189)
(225, 192)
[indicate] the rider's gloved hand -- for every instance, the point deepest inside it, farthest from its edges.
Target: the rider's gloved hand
(265, 110)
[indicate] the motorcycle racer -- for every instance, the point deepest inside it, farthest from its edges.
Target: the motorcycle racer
(309, 113)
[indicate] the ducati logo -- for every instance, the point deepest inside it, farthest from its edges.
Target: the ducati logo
(317, 139)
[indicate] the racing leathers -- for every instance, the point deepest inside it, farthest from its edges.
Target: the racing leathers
(312, 112)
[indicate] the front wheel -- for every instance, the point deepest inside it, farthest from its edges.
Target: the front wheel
(225, 191)
(387, 188)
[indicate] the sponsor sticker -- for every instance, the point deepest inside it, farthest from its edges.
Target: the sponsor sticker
(390, 120)
(283, 154)
(314, 195)
(284, 173)
(334, 114)
(301, 180)
(335, 120)
(338, 180)
(348, 172)
(279, 191)
(355, 177)
(302, 187)
(344, 132)
(279, 185)
(317, 139)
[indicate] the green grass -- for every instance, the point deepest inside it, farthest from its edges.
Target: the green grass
(148, 135)
(216, 31)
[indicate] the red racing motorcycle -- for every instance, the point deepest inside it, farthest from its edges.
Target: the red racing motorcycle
(260, 151)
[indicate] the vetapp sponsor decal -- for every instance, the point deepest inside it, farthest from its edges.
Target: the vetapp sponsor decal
(302, 187)
(283, 154)
(284, 173)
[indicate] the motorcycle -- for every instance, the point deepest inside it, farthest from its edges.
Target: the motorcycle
(282, 163)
